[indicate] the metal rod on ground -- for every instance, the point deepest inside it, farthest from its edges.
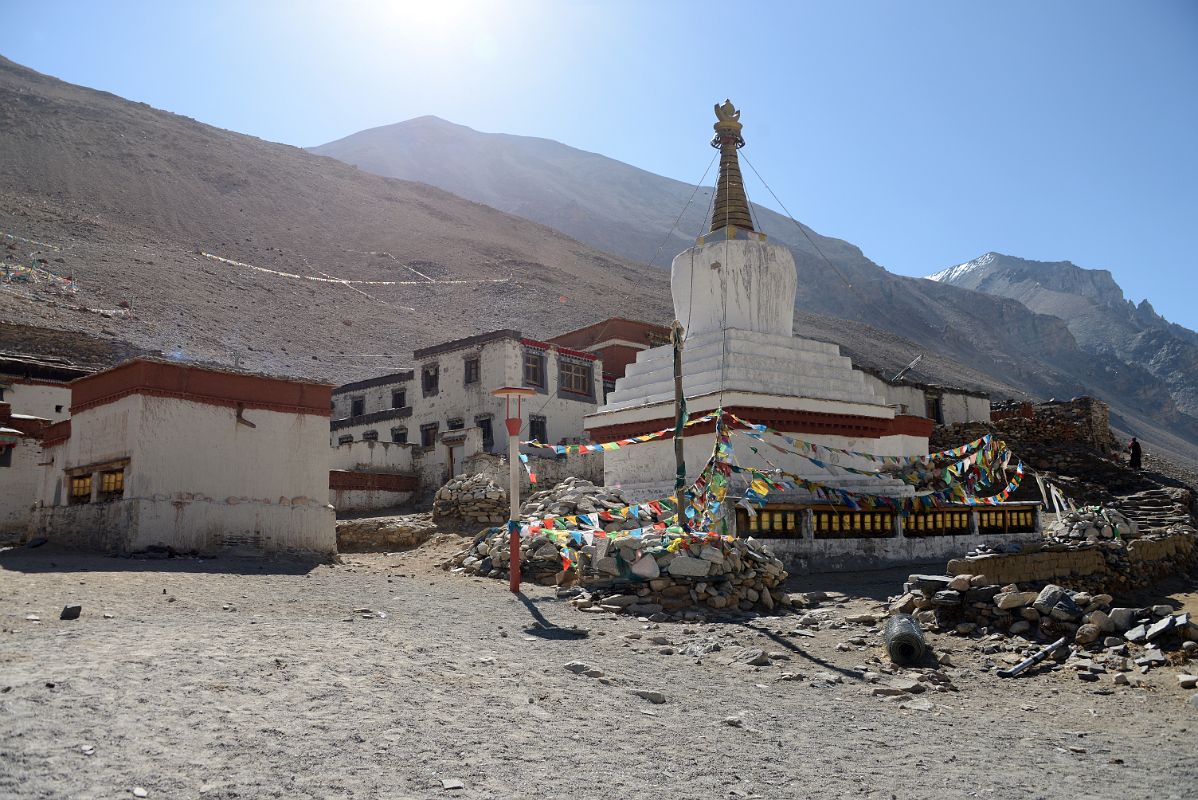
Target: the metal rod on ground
(676, 332)
(1036, 659)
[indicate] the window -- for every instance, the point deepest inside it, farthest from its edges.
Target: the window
(399, 435)
(537, 429)
(81, 489)
(112, 485)
(6, 456)
(399, 398)
(935, 410)
(57, 409)
(609, 386)
(370, 436)
(430, 377)
(534, 369)
(428, 434)
(575, 377)
(484, 425)
(472, 369)
(347, 438)
(357, 406)
(456, 424)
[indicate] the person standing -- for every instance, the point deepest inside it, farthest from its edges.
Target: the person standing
(1136, 453)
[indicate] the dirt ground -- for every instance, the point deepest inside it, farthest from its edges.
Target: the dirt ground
(236, 679)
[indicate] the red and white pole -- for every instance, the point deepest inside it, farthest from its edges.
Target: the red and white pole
(513, 457)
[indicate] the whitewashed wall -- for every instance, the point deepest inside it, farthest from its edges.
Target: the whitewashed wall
(40, 400)
(198, 479)
(20, 483)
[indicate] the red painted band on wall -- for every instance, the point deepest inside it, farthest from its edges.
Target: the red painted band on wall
(349, 480)
(790, 421)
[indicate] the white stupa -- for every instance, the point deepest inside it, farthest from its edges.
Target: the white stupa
(734, 293)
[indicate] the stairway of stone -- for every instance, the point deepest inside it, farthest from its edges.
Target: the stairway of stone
(1158, 508)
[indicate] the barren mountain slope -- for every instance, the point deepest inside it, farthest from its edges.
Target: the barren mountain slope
(122, 196)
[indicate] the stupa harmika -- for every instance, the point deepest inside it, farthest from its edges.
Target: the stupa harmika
(734, 293)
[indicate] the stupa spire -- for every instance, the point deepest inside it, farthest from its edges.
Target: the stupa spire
(731, 204)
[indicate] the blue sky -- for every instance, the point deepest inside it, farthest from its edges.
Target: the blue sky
(927, 133)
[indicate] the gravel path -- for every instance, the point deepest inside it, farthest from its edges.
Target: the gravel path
(288, 692)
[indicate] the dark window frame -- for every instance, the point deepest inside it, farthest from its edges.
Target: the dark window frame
(430, 379)
(535, 369)
(485, 423)
(538, 424)
(399, 398)
(583, 372)
(345, 438)
(471, 370)
(399, 435)
(428, 434)
(357, 406)
(370, 436)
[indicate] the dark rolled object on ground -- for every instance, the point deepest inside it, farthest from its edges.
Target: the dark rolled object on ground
(904, 639)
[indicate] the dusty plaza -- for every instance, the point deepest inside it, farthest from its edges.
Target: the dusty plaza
(387, 677)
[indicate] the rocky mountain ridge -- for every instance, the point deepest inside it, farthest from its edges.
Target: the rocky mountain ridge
(1102, 320)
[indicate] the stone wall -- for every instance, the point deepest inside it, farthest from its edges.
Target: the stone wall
(375, 534)
(1109, 567)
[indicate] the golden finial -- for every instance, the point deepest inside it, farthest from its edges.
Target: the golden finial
(731, 209)
(728, 119)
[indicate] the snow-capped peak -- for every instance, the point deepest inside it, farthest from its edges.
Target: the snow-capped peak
(954, 274)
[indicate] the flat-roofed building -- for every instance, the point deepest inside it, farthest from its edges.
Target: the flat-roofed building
(162, 454)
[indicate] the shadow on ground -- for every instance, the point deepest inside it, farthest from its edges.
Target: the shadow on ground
(876, 585)
(48, 558)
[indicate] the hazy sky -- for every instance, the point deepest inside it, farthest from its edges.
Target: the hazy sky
(927, 133)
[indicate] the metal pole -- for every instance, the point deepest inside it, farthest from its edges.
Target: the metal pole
(679, 422)
(513, 458)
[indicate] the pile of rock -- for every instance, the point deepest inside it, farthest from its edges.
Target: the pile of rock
(967, 605)
(688, 578)
(471, 500)
(665, 575)
(1094, 524)
(574, 496)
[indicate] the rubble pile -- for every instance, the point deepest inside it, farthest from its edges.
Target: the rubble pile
(471, 499)
(667, 574)
(575, 496)
(969, 604)
(1093, 524)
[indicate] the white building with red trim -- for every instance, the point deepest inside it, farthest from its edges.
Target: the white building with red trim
(169, 455)
(431, 420)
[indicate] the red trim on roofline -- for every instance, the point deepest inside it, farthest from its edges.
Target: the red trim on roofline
(200, 385)
(566, 351)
